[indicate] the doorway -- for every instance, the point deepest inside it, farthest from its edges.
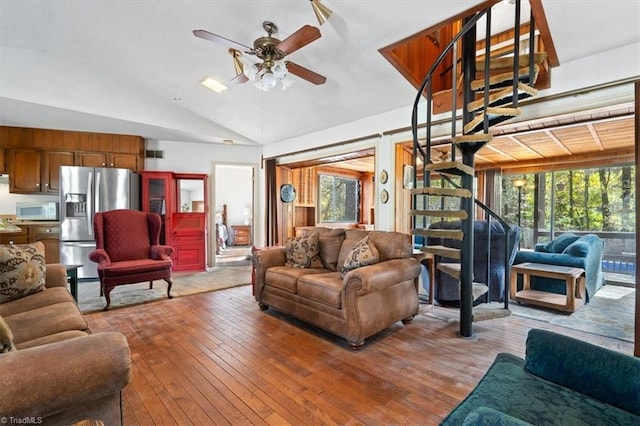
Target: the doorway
(233, 214)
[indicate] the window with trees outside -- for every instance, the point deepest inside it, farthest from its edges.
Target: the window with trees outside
(598, 200)
(339, 199)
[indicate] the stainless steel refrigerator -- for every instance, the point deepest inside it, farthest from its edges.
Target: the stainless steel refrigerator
(85, 191)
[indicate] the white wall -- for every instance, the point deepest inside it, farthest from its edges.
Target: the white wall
(8, 201)
(234, 187)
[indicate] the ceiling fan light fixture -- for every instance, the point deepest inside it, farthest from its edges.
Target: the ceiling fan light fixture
(322, 12)
(268, 80)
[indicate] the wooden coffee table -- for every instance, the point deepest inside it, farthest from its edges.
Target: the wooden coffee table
(574, 278)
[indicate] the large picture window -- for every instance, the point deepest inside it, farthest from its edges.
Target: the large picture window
(339, 199)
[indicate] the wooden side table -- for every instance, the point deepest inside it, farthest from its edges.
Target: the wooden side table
(429, 258)
(574, 278)
(241, 235)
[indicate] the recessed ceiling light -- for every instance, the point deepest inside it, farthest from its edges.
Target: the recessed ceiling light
(213, 84)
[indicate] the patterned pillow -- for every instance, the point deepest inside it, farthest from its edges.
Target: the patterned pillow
(22, 270)
(6, 338)
(362, 254)
(304, 252)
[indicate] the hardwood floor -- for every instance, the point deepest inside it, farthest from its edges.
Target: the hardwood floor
(215, 358)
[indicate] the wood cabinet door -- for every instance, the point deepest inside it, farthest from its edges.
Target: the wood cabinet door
(51, 175)
(91, 159)
(124, 161)
(2, 168)
(24, 171)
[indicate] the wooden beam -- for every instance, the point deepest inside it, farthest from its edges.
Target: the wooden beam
(595, 136)
(558, 142)
(588, 160)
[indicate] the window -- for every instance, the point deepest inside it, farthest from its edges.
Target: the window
(339, 199)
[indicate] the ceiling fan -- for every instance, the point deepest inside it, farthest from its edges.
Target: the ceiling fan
(272, 52)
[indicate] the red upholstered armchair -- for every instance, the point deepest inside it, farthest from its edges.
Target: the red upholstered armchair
(128, 251)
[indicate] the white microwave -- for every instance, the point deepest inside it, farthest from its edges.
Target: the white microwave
(37, 211)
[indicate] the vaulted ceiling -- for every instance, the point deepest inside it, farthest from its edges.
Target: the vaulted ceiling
(133, 66)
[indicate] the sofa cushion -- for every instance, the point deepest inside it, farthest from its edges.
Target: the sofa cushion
(45, 321)
(579, 248)
(323, 288)
(6, 337)
(286, 278)
(330, 243)
(52, 338)
(560, 243)
(49, 296)
(304, 251)
(362, 254)
(22, 270)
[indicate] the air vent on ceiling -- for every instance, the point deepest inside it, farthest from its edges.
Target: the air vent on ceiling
(151, 153)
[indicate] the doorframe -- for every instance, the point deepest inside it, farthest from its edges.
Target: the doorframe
(211, 240)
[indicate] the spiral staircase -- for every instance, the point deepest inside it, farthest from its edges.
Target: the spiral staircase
(491, 91)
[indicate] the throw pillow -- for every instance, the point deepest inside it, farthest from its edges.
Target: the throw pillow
(22, 270)
(560, 243)
(6, 338)
(304, 251)
(362, 254)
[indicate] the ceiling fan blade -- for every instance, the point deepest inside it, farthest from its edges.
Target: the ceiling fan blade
(305, 73)
(240, 78)
(222, 40)
(299, 39)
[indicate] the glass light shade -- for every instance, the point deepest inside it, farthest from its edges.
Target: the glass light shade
(251, 71)
(280, 70)
(269, 80)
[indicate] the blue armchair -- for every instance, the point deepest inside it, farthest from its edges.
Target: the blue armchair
(447, 288)
(567, 250)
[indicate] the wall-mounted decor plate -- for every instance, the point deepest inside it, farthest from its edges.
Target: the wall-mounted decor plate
(384, 176)
(384, 196)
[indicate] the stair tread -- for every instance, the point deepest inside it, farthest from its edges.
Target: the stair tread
(452, 269)
(495, 115)
(503, 96)
(505, 79)
(450, 167)
(460, 214)
(480, 313)
(507, 61)
(442, 251)
(453, 234)
(474, 137)
(443, 192)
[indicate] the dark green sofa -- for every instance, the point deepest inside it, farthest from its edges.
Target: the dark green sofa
(562, 381)
(567, 250)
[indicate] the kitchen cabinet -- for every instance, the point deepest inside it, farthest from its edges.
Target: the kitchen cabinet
(52, 160)
(108, 159)
(36, 172)
(50, 237)
(21, 237)
(48, 234)
(31, 175)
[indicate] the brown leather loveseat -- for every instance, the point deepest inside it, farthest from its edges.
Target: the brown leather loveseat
(355, 302)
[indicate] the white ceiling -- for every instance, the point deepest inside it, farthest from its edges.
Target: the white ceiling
(133, 66)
